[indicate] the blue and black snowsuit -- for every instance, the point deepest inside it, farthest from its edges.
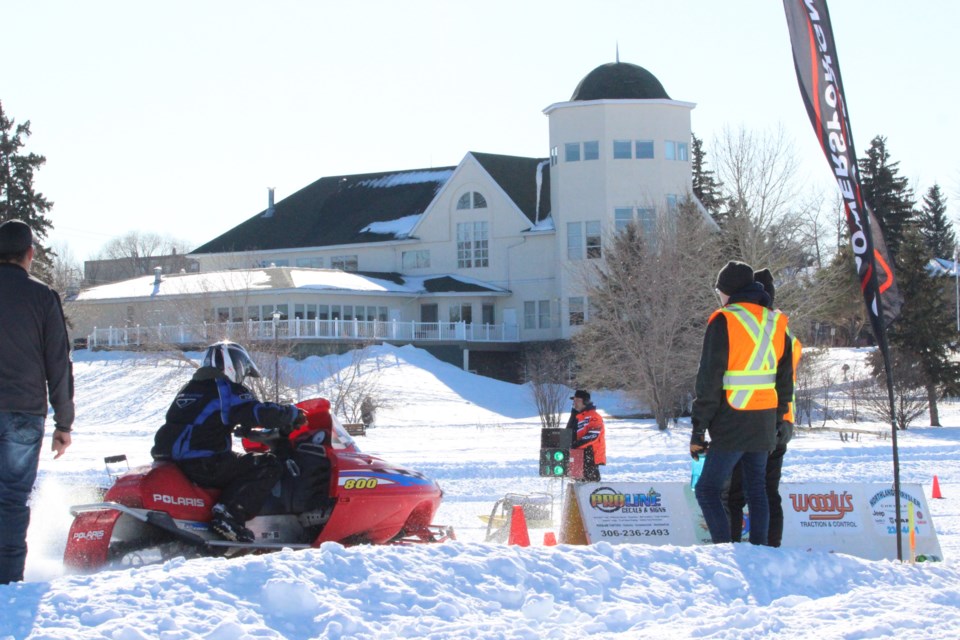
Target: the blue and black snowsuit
(198, 436)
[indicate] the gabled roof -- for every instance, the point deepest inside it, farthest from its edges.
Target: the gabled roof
(517, 176)
(337, 210)
(375, 207)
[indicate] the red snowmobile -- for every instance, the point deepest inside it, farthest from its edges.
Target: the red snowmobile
(329, 491)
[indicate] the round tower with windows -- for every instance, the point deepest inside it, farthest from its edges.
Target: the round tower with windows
(619, 151)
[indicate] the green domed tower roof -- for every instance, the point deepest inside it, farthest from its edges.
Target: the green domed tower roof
(619, 81)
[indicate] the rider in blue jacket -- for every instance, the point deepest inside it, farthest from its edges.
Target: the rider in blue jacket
(198, 437)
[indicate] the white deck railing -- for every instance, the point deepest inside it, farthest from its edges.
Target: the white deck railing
(301, 330)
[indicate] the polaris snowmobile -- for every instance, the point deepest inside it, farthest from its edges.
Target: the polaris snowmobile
(329, 491)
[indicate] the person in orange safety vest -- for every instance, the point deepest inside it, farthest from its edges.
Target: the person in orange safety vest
(743, 387)
(589, 435)
(735, 499)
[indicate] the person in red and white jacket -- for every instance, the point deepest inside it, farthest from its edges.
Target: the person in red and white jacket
(589, 436)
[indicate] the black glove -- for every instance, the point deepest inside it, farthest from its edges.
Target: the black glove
(784, 432)
(299, 419)
(697, 440)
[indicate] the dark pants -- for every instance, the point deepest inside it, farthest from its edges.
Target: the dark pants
(709, 491)
(735, 499)
(246, 480)
(591, 470)
(21, 435)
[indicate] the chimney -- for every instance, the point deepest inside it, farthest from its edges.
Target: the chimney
(156, 274)
(270, 208)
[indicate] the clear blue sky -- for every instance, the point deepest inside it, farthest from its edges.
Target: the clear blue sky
(174, 117)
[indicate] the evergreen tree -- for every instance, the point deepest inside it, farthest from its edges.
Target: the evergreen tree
(649, 300)
(886, 193)
(18, 199)
(705, 185)
(925, 331)
(935, 227)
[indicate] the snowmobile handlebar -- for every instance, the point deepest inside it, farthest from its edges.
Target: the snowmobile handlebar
(263, 435)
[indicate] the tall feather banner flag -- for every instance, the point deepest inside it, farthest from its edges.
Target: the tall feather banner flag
(818, 73)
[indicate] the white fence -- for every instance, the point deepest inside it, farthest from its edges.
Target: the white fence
(305, 330)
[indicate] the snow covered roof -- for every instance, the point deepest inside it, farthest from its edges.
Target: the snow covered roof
(941, 267)
(286, 278)
(376, 207)
(371, 207)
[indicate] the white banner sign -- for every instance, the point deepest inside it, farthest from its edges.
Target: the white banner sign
(854, 518)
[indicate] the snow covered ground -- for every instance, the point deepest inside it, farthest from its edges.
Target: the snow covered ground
(480, 438)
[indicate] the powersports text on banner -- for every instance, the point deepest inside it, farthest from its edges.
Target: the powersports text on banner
(818, 73)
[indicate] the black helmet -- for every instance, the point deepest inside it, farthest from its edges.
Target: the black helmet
(232, 359)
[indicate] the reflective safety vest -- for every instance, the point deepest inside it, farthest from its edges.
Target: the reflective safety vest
(797, 349)
(756, 338)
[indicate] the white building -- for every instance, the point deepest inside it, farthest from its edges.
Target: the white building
(482, 256)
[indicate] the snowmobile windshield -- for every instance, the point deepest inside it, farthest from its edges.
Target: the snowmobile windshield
(340, 438)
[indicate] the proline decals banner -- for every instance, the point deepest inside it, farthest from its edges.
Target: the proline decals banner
(818, 73)
(853, 518)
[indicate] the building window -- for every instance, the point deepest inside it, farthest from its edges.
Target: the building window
(575, 306)
(621, 150)
(310, 263)
(593, 240)
(415, 259)
(571, 152)
(672, 201)
(676, 150)
(472, 200)
(529, 314)
(487, 315)
(472, 245)
(536, 314)
(579, 245)
(344, 263)
(305, 311)
(575, 241)
(554, 154)
(648, 221)
(543, 314)
(622, 216)
(461, 313)
(591, 150)
(644, 149)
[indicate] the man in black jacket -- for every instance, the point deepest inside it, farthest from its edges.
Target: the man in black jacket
(735, 499)
(198, 434)
(744, 385)
(34, 365)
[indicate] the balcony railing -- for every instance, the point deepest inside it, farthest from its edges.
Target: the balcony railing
(297, 329)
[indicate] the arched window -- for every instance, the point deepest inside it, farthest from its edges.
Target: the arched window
(472, 200)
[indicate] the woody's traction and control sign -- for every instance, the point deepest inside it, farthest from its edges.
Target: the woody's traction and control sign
(854, 518)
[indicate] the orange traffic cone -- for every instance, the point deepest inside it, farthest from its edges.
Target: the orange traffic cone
(518, 528)
(936, 488)
(549, 540)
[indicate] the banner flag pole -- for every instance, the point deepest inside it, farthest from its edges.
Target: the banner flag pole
(818, 74)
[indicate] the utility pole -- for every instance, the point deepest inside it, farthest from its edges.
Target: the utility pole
(276, 358)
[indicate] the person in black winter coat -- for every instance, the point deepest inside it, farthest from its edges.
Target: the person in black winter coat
(735, 499)
(34, 367)
(198, 437)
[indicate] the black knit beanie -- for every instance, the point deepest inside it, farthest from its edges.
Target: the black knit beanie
(734, 277)
(765, 278)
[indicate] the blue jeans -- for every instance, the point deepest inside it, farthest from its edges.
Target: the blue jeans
(20, 437)
(709, 492)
